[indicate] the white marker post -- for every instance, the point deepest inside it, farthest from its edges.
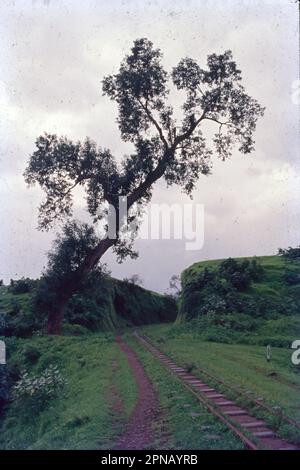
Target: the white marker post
(2, 352)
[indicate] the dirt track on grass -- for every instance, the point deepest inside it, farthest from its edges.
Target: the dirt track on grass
(139, 431)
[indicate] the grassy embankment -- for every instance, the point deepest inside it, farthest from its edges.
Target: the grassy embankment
(108, 304)
(269, 308)
(84, 415)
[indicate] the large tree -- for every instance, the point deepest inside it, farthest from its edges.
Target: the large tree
(163, 147)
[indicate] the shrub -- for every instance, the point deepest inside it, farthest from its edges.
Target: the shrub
(292, 254)
(291, 277)
(214, 291)
(36, 391)
(22, 286)
(213, 304)
(22, 324)
(15, 307)
(240, 274)
(4, 386)
(3, 323)
(18, 322)
(31, 354)
(135, 279)
(240, 322)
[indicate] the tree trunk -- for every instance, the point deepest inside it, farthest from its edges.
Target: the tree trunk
(56, 316)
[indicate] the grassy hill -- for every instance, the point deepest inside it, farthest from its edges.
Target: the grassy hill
(264, 310)
(272, 286)
(104, 306)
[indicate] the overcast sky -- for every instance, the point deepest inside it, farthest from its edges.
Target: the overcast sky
(54, 54)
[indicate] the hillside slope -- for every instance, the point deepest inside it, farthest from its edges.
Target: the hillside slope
(118, 303)
(265, 309)
(104, 306)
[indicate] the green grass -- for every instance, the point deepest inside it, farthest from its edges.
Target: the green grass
(185, 423)
(272, 264)
(241, 329)
(278, 382)
(97, 374)
(8, 300)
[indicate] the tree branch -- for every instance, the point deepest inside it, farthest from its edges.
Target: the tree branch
(79, 180)
(217, 121)
(149, 180)
(189, 132)
(153, 120)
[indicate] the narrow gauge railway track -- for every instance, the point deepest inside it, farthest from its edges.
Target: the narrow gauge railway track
(253, 432)
(273, 410)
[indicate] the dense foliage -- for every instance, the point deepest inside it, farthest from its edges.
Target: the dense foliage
(4, 386)
(102, 303)
(22, 286)
(292, 254)
(213, 290)
(68, 251)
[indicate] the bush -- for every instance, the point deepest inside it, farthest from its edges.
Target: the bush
(22, 324)
(15, 307)
(3, 323)
(213, 305)
(292, 254)
(31, 354)
(36, 391)
(240, 274)
(214, 291)
(4, 386)
(22, 286)
(291, 277)
(240, 322)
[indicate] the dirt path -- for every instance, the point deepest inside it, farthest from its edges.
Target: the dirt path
(139, 433)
